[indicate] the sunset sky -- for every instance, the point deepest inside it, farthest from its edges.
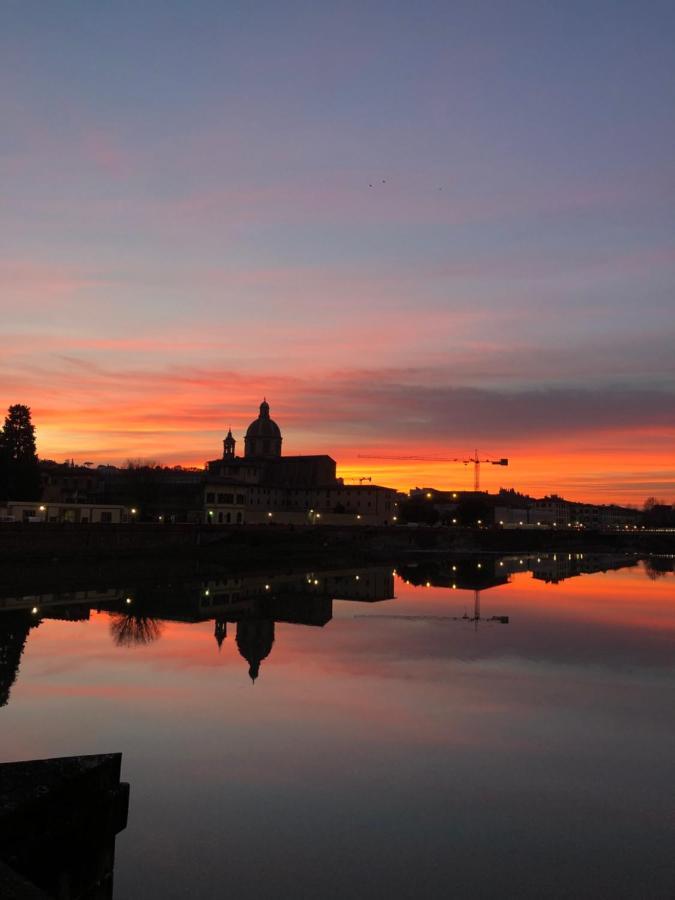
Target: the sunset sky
(187, 224)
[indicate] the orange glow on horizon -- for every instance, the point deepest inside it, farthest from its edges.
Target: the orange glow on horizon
(180, 418)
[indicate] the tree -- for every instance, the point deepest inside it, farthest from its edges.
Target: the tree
(470, 511)
(19, 470)
(650, 503)
(420, 511)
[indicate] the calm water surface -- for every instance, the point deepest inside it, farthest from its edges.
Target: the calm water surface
(284, 743)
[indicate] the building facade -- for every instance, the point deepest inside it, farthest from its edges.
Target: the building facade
(264, 486)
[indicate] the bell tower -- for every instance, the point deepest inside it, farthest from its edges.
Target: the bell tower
(229, 445)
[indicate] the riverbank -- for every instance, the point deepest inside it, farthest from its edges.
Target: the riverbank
(22, 544)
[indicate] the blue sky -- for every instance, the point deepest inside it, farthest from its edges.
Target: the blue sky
(186, 221)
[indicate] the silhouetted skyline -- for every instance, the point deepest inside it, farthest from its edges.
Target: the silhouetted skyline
(189, 224)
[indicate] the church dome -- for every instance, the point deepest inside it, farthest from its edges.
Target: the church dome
(263, 426)
(263, 435)
(254, 642)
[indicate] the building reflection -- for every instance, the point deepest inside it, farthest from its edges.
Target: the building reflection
(254, 641)
(255, 603)
(479, 572)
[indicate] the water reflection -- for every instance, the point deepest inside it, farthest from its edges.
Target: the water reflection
(253, 602)
(15, 627)
(482, 571)
(498, 724)
(256, 602)
(130, 629)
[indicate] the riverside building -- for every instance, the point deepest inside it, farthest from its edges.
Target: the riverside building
(264, 486)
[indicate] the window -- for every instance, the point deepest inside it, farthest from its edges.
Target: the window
(241, 499)
(211, 497)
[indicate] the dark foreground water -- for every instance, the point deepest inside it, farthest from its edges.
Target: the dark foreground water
(400, 742)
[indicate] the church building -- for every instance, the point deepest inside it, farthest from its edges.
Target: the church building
(265, 486)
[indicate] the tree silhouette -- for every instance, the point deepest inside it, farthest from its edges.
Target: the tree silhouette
(130, 630)
(416, 510)
(14, 629)
(19, 470)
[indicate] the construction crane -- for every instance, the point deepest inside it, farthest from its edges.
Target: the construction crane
(475, 618)
(475, 460)
(360, 480)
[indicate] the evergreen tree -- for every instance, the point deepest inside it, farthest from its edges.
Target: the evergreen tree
(19, 470)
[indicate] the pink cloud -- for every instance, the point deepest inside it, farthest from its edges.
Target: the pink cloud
(107, 153)
(41, 283)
